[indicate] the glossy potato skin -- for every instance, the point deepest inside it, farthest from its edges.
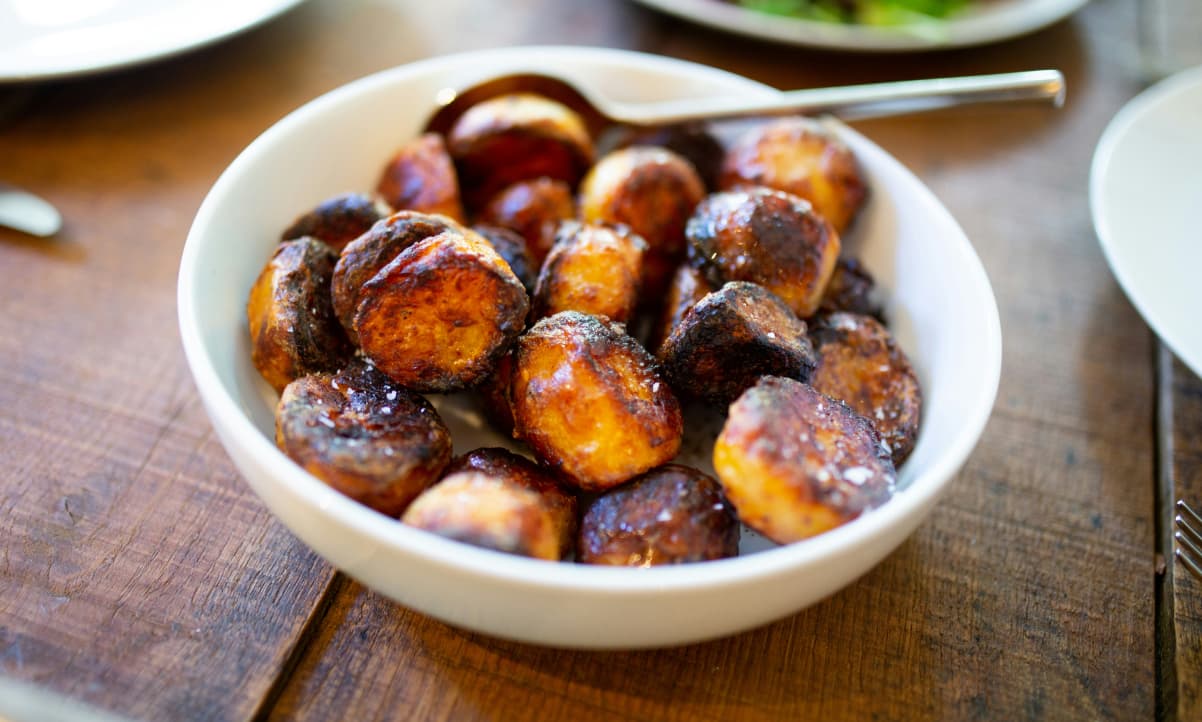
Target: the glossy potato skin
(293, 330)
(534, 208)
(592, 269)
(339, 220)
(861, 364)
(421, 177)
(517, 137)
(364, 435)
(554, 539)
(797, 155)
(364, 257)
(513, 249)
(670, 515)
(440, 314)
(851, 288)
(731, 338)
(795, 462)
(652, 191)
(589, 402)
(689, 285)
(767, 237)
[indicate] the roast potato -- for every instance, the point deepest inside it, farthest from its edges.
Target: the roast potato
(533, 208)
(588, 400)
(592, 269)
(513, 248)
(688, 286)
(421, 177)
(860, 363)
(767, 237)
(795, 462)
(364, 435)
(851, 288)
(339, 220)
(799, 156)
(495, 395)
(293, 331)
(670, 515)
(689, 140)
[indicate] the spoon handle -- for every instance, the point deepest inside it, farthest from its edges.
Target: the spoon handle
(854, 102)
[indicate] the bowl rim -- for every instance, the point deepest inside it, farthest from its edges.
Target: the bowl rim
(387, 532)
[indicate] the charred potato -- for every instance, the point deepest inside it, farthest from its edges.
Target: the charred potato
(293, 330)
(587, 399)
(652, 191)
(851, 289)
(421, 177)
(533, 208)
(363, 258)
(517, 137)
(690, 140)
(795, 462)
(498, 500)
(495, 395)
(441, 313)
(512, 247)
(861, 364)
(364, 435)
(730, 339)
(670, 515)
(339, 220)
(799, 156)
(592, 269)
(767, 237)
(688, 286)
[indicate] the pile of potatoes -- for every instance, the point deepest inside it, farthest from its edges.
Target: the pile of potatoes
(582, 293)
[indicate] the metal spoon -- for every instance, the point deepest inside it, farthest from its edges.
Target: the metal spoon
(28, 213)
(847, 102)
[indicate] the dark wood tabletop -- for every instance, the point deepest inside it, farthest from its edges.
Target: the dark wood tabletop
(140, 574)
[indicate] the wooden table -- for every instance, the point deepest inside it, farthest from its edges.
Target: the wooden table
(139, 573)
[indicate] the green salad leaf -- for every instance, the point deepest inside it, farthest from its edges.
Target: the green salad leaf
(862, 12)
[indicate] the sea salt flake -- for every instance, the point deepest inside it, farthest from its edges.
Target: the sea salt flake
(857, 475)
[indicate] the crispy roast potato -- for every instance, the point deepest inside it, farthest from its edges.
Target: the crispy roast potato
(293, 331)
(363, 258)
(517, 137)
(496, 499)
(767, 237)
(731, 338)
(860, 363)
(690, 140)
(689, 285)
(670, 515)
(364, 435)
(652, 191)
(421, 177)
(512, 247)
(339, 220)
(587, 399)
(495, 395)
(441, 313)
(592, 269)
(851, 289)
(533, 208)
(795, 462)
(797, 155)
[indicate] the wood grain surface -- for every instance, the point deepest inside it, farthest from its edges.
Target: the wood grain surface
(140, 574)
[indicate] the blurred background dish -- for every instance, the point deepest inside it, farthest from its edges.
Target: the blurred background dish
(41, 39)
(981, 21)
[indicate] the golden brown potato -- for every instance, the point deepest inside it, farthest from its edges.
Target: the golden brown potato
(495, 395)
(730, 339)
(421, 177)
(293, 331)
(441, 313)
(767, 237)
(795, 462)
(860, 363)
(670, 515)
(851, 289)
(517, 137)
(799, 156)
(688, 286)
(592, 269)
(513, 506)
(512, 247)
(364, 435)
(339, 220)
(652, 191)
(587, 399)
(690, 140)
(533, 208)
(363, 258)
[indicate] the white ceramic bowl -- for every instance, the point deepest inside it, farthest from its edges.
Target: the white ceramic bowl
(938, 298)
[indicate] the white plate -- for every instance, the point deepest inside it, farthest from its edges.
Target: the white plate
(1145, 193)
(988, 21)
(938, 299)
(43, 39)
